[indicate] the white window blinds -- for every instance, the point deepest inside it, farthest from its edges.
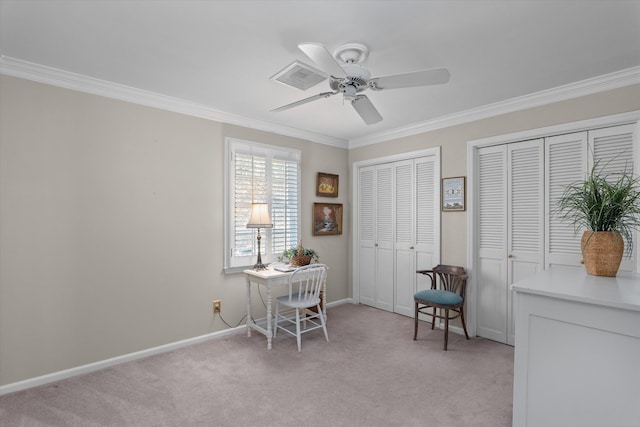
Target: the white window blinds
(258, 173)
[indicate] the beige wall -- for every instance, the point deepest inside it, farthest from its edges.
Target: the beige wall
(111, 227)
(111, 222)
(453, 141)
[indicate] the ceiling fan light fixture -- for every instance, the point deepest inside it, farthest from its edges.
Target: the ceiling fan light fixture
(350, 93)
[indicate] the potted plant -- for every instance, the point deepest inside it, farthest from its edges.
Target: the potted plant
(298, 255)
(608, 209)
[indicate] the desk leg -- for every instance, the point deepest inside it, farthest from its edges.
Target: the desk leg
(248, 307)
(269, 332)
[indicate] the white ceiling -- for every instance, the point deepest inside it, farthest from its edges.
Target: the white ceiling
(221, 54)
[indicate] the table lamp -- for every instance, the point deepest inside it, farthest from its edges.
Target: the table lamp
(259, 219)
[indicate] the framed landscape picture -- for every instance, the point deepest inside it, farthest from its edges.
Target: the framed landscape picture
(327, 219)
(453, 194)
(327, 185)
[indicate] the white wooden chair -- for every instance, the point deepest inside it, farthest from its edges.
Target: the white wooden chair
(305, 285)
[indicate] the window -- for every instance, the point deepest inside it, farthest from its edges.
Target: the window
(258, 173)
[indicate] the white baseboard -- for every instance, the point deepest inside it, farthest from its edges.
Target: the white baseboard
(102, 364)
(91, 367)
(340, 302)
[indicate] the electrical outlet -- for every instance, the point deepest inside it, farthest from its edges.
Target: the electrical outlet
(216, 306)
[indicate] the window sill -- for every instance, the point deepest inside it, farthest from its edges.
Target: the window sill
(235, 270)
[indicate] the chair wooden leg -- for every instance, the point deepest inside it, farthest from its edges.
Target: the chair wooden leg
(446, 329)
(464, 326)
(433, 318)
(415, 328)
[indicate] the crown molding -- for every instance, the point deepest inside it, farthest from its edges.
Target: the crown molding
(30, 71)
(590, 86)
(56, 77)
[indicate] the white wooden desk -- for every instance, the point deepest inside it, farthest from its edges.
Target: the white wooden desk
(270, 278)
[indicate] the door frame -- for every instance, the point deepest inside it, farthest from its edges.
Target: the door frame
(355, 173)
(632, 117)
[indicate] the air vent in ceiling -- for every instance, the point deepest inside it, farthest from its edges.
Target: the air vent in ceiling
(299, 75)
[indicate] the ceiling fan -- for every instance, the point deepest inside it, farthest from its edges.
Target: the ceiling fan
(350, 79)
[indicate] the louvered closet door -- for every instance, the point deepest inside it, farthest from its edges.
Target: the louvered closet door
(404, 237)
(613, 152)
(366, 235)
(566, 163)
(568, 158)
(427, 218)
(491, 265)
(525, 218)
(510, 232)
(384, 237)
(416, 233)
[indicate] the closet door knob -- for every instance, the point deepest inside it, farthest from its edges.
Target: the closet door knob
(509, 256)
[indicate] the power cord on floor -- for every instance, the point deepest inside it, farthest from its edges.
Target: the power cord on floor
(243, 317)
(226, 323)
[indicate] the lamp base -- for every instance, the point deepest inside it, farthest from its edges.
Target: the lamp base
(259, 267)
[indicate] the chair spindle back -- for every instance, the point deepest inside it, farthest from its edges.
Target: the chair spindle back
(452, 279)
(307, 282)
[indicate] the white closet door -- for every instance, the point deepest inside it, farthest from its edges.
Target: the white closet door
(566, 163)
(366, 235)
(417, 199)
(612, 148)
(613, 152)
(525, 216)
(404, 237)
(491, 265)
(397, 224)
(518, 233)
(427, 217)
(384, 264)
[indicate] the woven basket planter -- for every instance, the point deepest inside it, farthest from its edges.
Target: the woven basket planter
(602, 252)
(300, 260)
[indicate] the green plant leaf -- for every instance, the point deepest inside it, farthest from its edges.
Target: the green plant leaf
(603, 203)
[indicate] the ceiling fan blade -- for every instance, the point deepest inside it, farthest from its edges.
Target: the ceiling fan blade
(365, 108)
(321, 56)
(435, 76)
(304, 101)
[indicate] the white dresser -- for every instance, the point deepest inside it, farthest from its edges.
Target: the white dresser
(577, 350)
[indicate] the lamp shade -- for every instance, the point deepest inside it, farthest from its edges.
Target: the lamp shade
(259, 216)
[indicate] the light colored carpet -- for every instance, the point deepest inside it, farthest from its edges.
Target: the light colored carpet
(371, 373)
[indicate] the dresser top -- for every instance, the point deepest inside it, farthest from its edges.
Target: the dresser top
(574, 284)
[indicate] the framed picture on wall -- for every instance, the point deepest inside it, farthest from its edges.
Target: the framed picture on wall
(454, 194)
(327, 185)
(327, 219)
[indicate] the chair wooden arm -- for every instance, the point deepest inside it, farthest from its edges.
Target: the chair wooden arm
(431, 274)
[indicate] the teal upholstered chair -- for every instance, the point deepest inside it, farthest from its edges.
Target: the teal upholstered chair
(447, 292)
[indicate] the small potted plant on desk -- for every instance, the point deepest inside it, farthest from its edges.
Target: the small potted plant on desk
(299, 256)
(608, 208)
